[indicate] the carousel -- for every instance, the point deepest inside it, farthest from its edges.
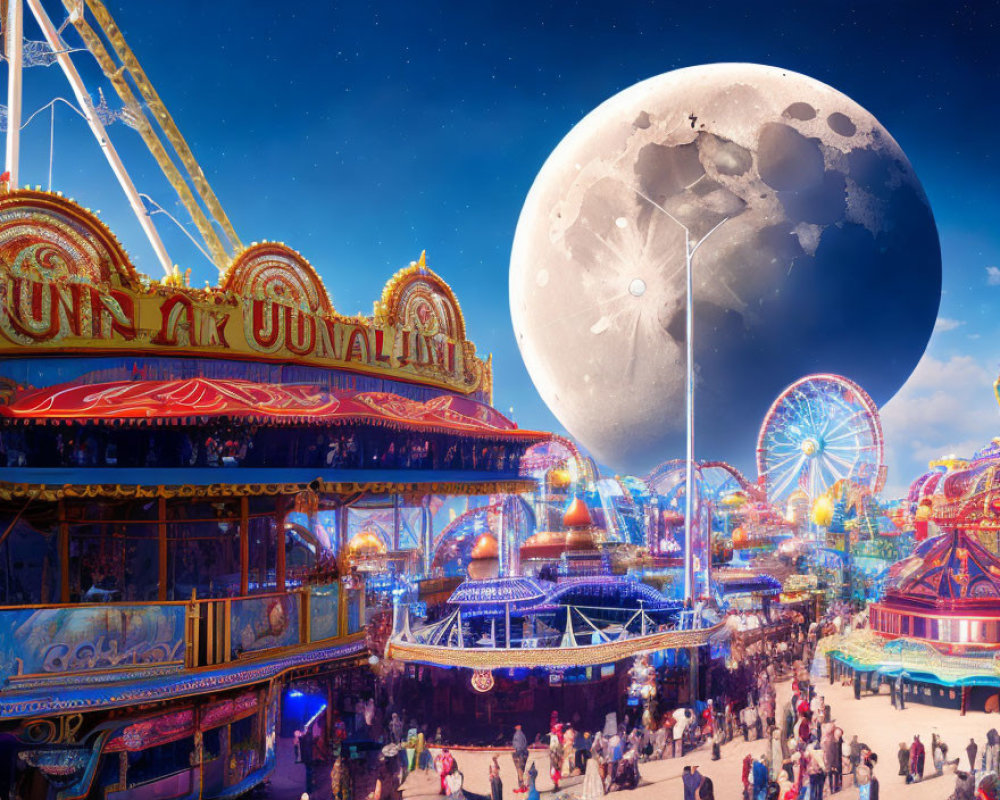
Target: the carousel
(936, 630)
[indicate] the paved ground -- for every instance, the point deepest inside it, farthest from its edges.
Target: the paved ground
(872, 718)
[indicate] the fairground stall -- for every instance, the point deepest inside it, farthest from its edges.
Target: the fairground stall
(192, 480)
(936, 633)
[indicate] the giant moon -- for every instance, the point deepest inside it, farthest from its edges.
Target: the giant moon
(827, 260)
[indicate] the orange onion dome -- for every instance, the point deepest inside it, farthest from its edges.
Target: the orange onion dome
(486, 547)
(577, 515)
(366, 543)
(740, 538)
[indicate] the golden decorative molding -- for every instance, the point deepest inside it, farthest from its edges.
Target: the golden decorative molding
(68, 287)
(51, 493)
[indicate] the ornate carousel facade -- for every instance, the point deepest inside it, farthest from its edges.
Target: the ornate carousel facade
(180, 470)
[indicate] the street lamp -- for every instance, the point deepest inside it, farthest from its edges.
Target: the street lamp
(689, 250)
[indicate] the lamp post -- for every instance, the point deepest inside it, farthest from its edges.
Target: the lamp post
(690, 248)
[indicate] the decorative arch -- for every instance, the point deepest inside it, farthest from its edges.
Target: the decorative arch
(752, 489)
(418, 299)
(627, 590)
(454, 543)
(44, 236)
(553, 452)
(277, 272)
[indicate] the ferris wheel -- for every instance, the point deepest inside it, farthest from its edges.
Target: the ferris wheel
(821, 429)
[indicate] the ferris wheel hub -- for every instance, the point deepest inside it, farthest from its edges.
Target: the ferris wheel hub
(810, 447)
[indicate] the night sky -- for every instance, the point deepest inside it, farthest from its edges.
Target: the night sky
(362, 133)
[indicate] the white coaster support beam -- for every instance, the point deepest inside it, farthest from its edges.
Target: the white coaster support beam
(97, 128)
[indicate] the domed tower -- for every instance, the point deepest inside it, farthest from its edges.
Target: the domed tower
(582, 555)
(485, 558)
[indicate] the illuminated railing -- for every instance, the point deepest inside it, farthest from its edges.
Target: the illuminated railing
(405, 650)
(50, 641)
(866, 651)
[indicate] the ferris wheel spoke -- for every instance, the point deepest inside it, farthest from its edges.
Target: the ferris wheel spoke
(832, 464)
(846, 435)
(786, 479)
(845, 421)
(821, 483)
(846, 452)
(810, 479)
(796, 453)
(807, 411)
(831, 470)
(843, 462)
(828, 420)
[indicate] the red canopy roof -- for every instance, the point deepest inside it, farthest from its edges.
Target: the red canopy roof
(194, 399)
(957, 571)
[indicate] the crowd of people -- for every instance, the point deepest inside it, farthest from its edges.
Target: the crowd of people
(798, 751)
(226, 444)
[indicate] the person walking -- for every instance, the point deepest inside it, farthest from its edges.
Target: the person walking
(583, 744)
(307, 747)
(496, 784)
(520, 757)
(396, 728)
(854, 757)
(965, 786)
(747, 774)
(455, 783)
(816, 769)
(916, 760)
(569, 750)
(904, 761)
(691, 780)
(759, 773)
(555, 756)
(707, 790)
(444, 762)
(832, 755)
(992, 750)
(593, 786)
(970, 750)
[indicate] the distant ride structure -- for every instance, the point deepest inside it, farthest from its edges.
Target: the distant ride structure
(821, 429)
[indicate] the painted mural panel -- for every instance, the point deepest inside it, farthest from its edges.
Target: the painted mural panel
(324, 612)
(355, 611)
(262, 623)
(82, 639)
